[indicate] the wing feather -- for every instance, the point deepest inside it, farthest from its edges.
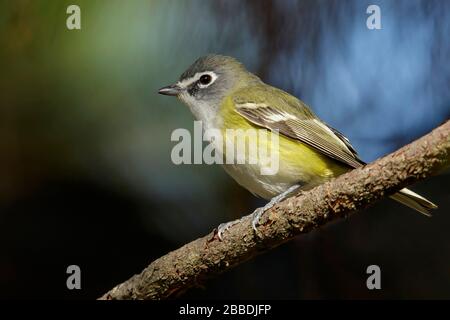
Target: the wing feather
(295, 121)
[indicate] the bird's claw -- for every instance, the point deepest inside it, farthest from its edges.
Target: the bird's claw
(224, 227)
(256, 217)
(257, 214)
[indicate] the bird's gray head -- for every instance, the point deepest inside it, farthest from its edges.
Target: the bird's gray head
(207, 81)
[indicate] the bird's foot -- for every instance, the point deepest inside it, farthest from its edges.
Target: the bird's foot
(257, 214)
(224, 227)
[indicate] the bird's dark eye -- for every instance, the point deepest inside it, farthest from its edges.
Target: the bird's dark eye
(205, 79)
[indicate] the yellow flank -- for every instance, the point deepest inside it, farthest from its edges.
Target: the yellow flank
(298, 162)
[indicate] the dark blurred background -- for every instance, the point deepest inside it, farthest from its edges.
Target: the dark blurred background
(85, 170)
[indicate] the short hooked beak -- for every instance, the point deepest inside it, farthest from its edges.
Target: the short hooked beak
(172, 90)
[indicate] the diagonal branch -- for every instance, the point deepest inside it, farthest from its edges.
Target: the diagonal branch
(185, 267)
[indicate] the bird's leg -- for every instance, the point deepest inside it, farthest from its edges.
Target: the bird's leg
(260, 211)
(224, 227)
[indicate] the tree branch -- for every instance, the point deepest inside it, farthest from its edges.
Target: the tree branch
(208, 256)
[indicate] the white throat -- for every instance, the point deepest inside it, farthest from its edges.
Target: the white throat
(202, 111)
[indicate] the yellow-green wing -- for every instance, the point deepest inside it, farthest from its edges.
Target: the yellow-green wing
(275, 109)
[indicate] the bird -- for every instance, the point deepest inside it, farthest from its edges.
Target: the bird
(223, 94)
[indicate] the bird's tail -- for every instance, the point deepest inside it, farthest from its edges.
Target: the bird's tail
(414, 201)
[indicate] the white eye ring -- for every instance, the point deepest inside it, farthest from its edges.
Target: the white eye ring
(185, 83)
(211, 76)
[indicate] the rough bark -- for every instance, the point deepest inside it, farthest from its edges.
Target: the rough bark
(191, 264)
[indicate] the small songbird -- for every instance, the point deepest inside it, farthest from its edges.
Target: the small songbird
(222, 94)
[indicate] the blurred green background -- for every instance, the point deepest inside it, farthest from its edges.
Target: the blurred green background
(86, 175)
